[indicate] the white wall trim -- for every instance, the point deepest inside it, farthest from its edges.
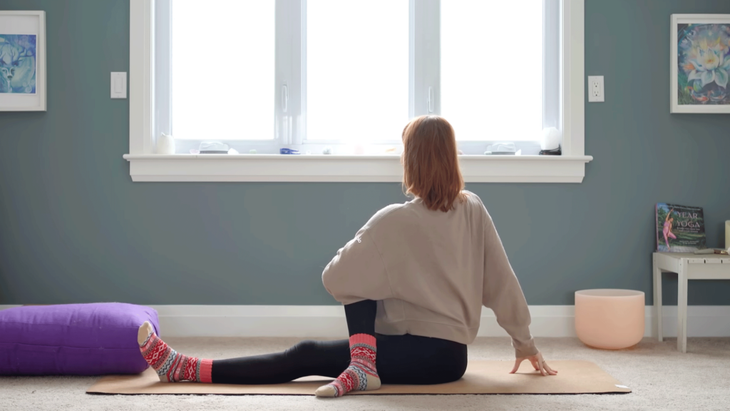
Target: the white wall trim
(330, 168)
(141, 78)
(328, 321)
(572, 65)
(146, 167)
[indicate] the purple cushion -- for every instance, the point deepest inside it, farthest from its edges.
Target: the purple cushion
(73, 339)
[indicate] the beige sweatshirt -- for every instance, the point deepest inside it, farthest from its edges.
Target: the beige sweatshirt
(431, 272)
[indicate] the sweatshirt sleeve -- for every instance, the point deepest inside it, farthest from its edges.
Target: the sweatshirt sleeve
(503, 294)
(357, 272)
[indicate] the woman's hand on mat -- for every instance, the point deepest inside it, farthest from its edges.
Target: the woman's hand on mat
(538, 363)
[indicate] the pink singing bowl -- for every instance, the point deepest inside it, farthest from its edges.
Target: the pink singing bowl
(609, 319)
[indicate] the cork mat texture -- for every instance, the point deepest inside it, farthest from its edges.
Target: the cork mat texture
(482, 377)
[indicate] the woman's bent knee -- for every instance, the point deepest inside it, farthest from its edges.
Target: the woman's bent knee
(454, 366)
(455, 373)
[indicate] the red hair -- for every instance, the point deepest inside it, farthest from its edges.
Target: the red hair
(431, 163)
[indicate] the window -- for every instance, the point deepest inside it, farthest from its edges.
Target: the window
(222, 71)
(356, 71)
(347, 75)
(491, 68)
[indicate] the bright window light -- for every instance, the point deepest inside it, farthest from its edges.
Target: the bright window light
(491, 69)
(223, 69)
(357, 70)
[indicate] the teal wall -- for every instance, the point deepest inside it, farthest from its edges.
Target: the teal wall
(74, 228)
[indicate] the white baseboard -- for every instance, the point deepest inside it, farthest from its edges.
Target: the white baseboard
(328, 321)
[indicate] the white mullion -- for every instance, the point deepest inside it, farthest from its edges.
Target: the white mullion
(425, 63)
(301, 135)
(572, 109)
(411, 58)
(163, 69)
(288, 76)
(550, 63)
(282, 62)
(141, 77)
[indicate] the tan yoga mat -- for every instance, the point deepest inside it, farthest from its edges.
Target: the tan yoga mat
(482, 377)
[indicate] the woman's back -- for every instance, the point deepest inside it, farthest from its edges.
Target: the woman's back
(431, 271)
(435, 265)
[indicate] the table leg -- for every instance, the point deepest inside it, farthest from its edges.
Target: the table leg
(682, 310)
(658, 299)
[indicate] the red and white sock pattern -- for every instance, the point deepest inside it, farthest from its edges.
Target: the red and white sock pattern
(172, 366)
(363, 353)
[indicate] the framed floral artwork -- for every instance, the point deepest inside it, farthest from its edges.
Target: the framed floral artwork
(700, 63)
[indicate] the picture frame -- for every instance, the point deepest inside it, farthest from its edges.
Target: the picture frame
(22, 60)
(700, 63)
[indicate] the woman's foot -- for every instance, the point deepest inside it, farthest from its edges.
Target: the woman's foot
(354, 378)
(170, 365)
(361, 375)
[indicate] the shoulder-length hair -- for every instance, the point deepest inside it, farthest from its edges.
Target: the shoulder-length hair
(431, 163)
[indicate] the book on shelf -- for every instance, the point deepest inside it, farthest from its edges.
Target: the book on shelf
(679, 229)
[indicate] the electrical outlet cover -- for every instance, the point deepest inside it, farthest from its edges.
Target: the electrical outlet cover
(595, 89)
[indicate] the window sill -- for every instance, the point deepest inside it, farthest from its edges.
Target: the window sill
(336, 168)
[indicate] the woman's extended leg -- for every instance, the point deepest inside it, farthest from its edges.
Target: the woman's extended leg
(361, 374)
(402, 359)
(326, 358)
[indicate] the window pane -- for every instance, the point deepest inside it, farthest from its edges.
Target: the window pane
(491, 69)
(357, 70)
(223, 69)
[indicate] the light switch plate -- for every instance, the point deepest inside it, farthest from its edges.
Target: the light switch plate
(119, 84)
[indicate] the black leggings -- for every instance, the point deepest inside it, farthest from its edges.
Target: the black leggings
(402, 359)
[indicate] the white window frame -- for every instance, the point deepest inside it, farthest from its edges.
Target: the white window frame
(146, 166)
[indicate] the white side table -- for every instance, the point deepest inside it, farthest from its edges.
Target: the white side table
(688, 266)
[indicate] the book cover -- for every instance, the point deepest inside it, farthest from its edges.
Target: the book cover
(679, 229)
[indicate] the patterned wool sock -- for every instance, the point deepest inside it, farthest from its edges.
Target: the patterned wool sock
(361, 375)
(170, 365)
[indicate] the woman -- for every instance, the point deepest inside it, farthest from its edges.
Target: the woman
(668, 221)
(413, 282)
